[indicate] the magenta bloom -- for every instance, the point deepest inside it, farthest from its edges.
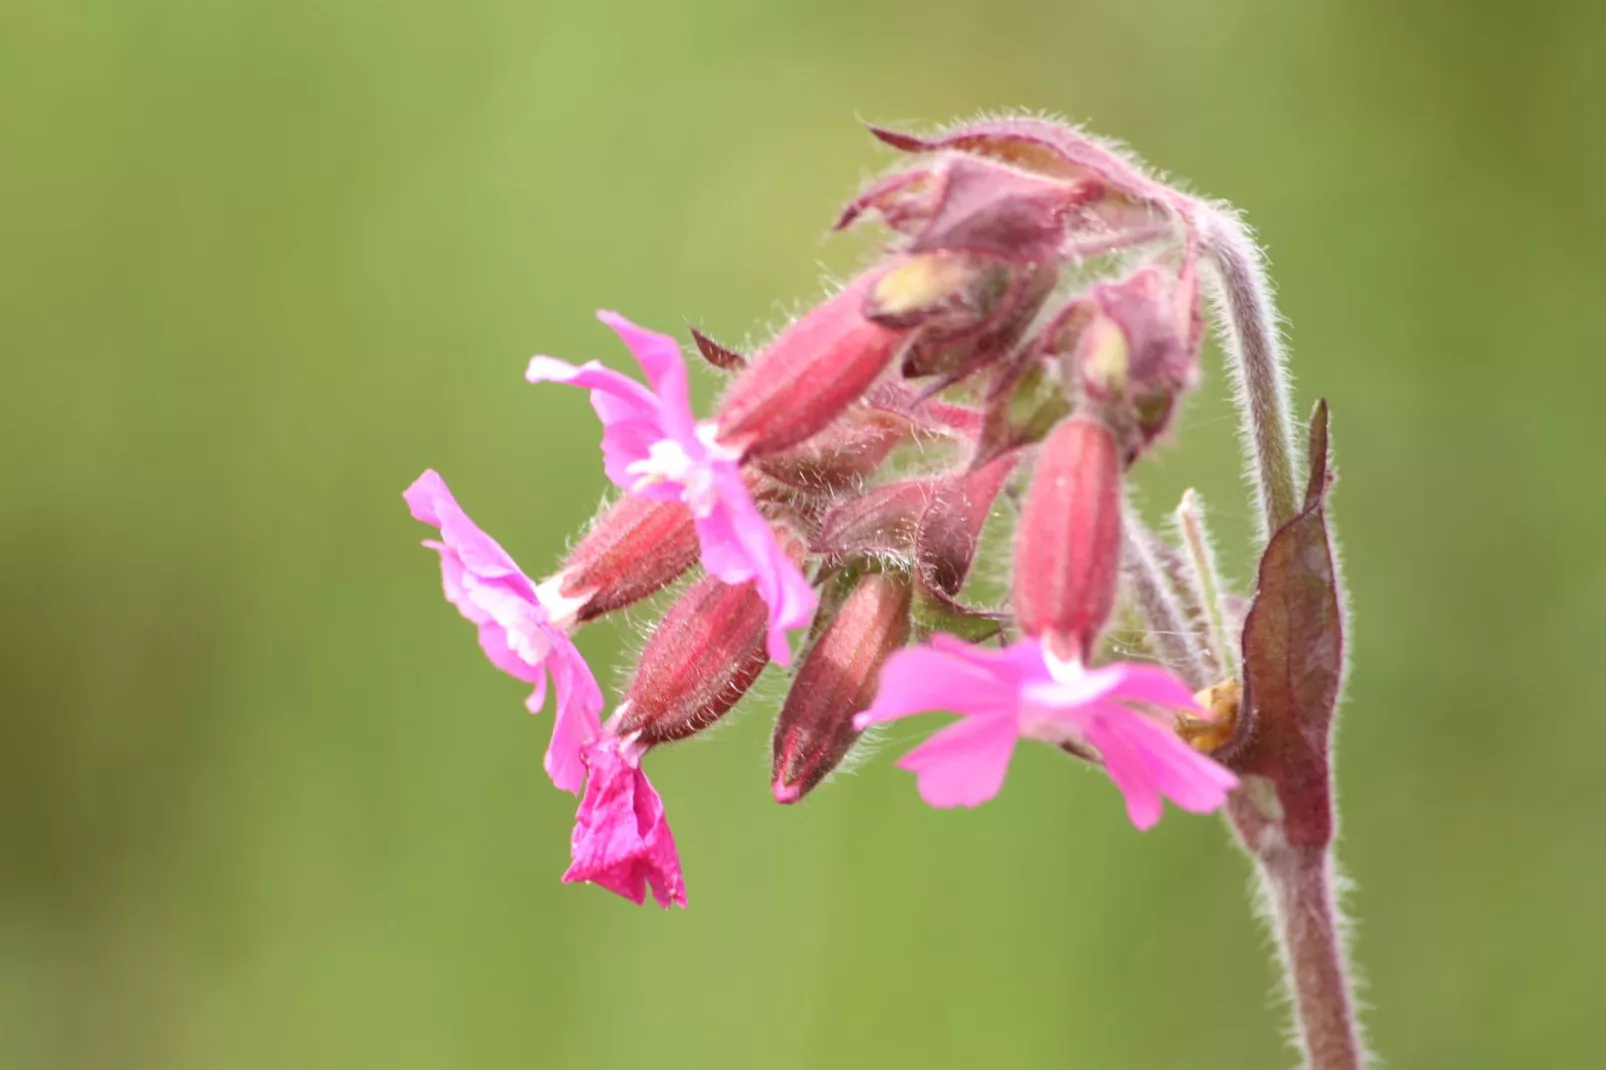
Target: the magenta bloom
(621, 838)
(653, 447)
(523, 636)
(1005, 694)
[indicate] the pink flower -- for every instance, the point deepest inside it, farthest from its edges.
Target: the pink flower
(523, 634)
(621, 839)
(1022, 690)
(653, 447)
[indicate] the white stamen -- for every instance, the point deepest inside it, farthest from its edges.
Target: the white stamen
(561, 609)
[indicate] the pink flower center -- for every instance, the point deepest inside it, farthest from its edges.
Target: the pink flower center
(669, 461)
(1054, 710)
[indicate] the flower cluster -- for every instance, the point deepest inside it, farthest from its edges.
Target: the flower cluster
(1030, 331)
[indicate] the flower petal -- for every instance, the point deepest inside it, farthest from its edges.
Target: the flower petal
(1020, 663)
(965, 763)
(477, 575)
(499, 652)
(660, 357)
(515, 631)
(941, 675)
(1147, 761)
(577, 721)
(1138, 682)
(630, 413)
(621, 839)
(1194, 781)
(738, 545)
(431, 502)
(1129, 772)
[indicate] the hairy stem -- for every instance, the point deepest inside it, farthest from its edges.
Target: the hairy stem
(1158, 606)
(1298, 877)
(1247, 321)
(1202, 561)
(1299, 884)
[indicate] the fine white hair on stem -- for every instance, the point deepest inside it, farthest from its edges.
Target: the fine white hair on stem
(1300, 895)
(1251, 337)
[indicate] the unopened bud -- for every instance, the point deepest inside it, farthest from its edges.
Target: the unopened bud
(1156, 311)
(981, 206)
(837, 680)
(1134, 343)
(905, 201)
(882, 520)
(634, 549)
(700, 661)
(1052, 149)
(1068, 545)
(950, 529)
(1104, 359)
(1023, 403)
(1156, 314)
(925, 413)
(944, 290)
(806, 377)
(1006, 299)
(839, 457)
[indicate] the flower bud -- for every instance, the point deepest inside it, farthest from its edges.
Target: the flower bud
(1133, 343)
(950, 529)
(839, 457)
(837, 680)
(942, 291)
(990, 330)
(1157, 316)
(1024, 401)
(967, 204)
(882, 520)
(1103, 357)
(700, 661)
(806, 377)
(1128, 197)
(905, 201)
(925, 413)
(634, 549)
(1068, 545)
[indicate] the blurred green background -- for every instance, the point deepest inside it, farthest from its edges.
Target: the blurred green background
(264, 804)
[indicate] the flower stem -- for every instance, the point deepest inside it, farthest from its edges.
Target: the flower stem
(1290, 790)
(1247, 320)
(1157, 605)
(1300, 891)
(1202, 561)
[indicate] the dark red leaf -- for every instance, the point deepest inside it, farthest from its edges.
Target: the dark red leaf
(1293, 648)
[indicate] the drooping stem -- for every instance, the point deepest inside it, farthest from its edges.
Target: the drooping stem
(1247, 320)
(1285, 813)
(1300, 892)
